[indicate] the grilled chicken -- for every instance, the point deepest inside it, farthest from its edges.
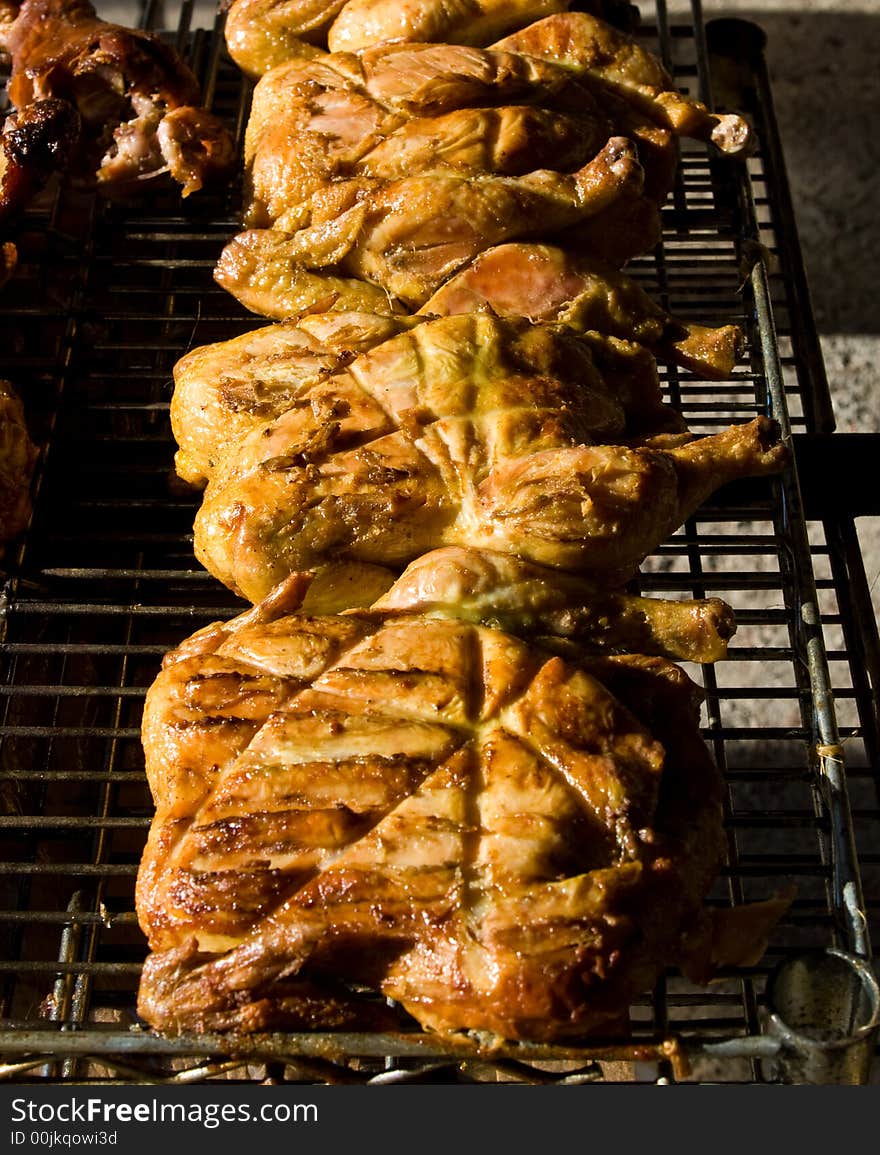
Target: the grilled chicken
(35, 143)
(528, 600)
(552, 283)
(313, 121)
(263, 34)
(137, 102)
(224, 391)
(609, 60)
(18, 455)
(466, 430)
(499, 839)
(408, 236)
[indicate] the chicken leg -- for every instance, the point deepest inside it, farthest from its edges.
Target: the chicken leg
(549, 283)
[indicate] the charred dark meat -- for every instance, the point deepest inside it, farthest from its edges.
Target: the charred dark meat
(137, 102)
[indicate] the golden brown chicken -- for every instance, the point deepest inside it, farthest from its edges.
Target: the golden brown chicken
(499, 839)
(18, 455)
(468, 430)
(223, 392)
(423, 109)
(261, 34)
(556, 283)
(408, 236)
(137, 102)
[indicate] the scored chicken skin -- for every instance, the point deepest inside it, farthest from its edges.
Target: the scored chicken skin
(379, 800)
(313, 121)
(466, 430)
(223, 391)
(554, 283)
(226, 390)
(137, 102)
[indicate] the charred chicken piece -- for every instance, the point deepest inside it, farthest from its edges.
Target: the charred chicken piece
(18, 455)
(35, 142)
(408, 236)
(468, 430)
(389, 801)
(552, 283)
(137, 101)
(611, 61)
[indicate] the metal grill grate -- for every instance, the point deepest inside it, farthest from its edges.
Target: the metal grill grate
(106, 299)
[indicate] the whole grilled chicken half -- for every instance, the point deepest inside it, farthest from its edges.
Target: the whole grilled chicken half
(473, 430)
(500, 839)
(138, 105)
(261, 34)
(225, 391)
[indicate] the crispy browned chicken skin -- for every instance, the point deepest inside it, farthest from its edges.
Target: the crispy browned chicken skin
(35, 142)
(138, 103)
(472, 430)
(499, 839)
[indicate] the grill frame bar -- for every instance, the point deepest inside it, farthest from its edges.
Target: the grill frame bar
(65, 1043)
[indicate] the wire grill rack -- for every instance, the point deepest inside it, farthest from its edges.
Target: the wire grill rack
(107, 297)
